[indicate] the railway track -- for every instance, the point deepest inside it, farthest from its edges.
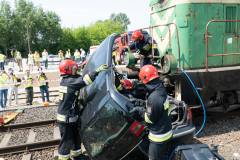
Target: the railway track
(30, 132)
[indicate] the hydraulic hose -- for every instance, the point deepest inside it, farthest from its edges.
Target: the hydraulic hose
(201, 101)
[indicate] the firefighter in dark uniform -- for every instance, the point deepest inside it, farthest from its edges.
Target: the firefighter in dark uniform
(142, 45)
(156, 113)
(68, 111)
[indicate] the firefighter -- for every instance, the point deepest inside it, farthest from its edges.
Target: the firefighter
(68, 110)
(142, 45)
(28, 87)
(156, 113)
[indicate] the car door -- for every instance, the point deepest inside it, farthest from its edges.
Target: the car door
(105, 122)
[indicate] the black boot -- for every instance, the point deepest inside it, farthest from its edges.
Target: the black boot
(81, 157)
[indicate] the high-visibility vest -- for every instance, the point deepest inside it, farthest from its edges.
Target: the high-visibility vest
(2, 58)
(36, 57)
(29, 83)
(42, 80)
(77, 54)
(3, 80)
(18, 55)
(68, 55)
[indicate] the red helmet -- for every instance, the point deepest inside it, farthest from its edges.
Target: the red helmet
(137, 35)
(148, 73)
(68, 67)
(127, 84)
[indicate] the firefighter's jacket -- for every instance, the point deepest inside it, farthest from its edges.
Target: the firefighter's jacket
(156, 115)
(68, 108)
(143, 47)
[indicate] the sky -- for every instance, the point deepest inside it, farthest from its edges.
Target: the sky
(74, 13)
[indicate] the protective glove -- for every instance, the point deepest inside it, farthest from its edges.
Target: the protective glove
(103, 67)
(90, 77)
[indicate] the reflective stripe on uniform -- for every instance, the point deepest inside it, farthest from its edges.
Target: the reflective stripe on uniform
(63, 118)
(160, 137)
(147, 119)
(75, 153)
(119, 88)
(63, 89)
(166, 105)
(63, 157)
(87, 79)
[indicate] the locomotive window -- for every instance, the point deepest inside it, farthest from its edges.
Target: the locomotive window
(231, 14)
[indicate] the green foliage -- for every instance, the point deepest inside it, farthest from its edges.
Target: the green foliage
(94, 34)
(122, 18)
(27, 27)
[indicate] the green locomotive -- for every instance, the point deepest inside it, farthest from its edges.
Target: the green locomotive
(203, 38)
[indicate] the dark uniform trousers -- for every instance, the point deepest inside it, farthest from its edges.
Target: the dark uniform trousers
(70, 138)
(159, 150)
(29, 98)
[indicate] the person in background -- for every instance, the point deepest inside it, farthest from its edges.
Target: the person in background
(61, 55)
(2, 60)
(83, 55)
(18, 58)
(43, 85)
(37, 59)
(68, 54)
(13, 90)
(28, 87)
(45, 58)
(4, 78)
(77, 56)
(30, 61)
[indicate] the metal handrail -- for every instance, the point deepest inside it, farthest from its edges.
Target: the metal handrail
(177, 34)
(207, 40)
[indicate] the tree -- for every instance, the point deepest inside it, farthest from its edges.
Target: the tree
(5, 26)
(122, 18)
(101, 29)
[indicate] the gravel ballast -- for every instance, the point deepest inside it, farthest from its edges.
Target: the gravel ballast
(18, 137)
(44, 133)
(36, 114)
(225, 133)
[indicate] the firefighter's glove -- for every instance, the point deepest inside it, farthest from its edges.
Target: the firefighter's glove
(103, 67)
(137, 113)
(90, 77)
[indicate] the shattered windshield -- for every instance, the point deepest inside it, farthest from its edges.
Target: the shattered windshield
(105, 128)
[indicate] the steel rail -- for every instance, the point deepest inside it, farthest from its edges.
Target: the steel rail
(27, 125)
(28, 147)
